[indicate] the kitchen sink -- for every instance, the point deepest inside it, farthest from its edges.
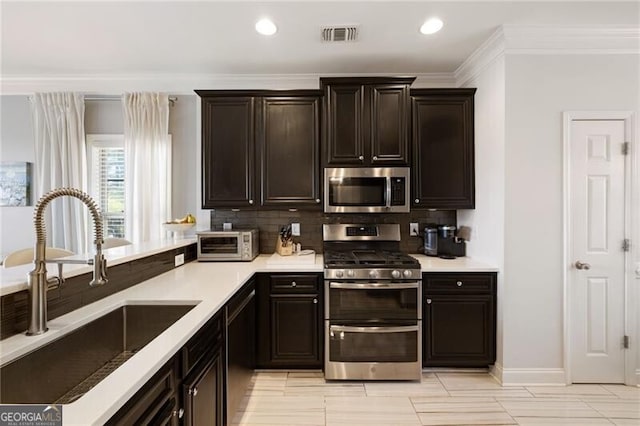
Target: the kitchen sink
(65, 369)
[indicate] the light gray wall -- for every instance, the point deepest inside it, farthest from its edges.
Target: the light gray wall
(101, 117)
(16, 144)
(538, 89)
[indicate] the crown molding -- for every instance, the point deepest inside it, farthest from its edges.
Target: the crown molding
(185, 84)
(571, 40)
(492, 49)
(548, 40)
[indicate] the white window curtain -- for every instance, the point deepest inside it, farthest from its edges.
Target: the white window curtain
(147, 151)
(58, 120)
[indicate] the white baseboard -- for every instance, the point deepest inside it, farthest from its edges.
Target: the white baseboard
(528, 376)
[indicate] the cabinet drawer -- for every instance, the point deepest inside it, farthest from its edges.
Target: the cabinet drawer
(467, 283)
(294, 283)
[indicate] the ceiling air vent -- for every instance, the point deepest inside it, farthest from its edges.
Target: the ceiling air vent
(341, 33)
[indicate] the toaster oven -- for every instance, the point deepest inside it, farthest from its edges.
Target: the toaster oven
(224, 246)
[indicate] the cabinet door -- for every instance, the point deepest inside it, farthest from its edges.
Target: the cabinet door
(289, 145)
(459, 330)
(228, 151)
(202, 392)
(389, 125)
(343, 114)
(295, 324)
(442, 134)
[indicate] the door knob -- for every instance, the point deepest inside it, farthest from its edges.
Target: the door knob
(582, 265)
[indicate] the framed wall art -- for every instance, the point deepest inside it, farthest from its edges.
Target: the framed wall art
(15, 183)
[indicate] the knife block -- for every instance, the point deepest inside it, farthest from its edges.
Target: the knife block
(284, 249)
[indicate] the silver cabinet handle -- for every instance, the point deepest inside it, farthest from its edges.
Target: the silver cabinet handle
(428, 301)
(250, 201)
(181, 413)
(315, 301)
(582, 265)
(417, 200)
(193, 391)
(361, 158)
(375, 157)
(293, 284)
(317, 200)
(459, 283)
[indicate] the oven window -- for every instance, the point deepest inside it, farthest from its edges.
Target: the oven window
(219, 245)
(373, 304)
(357, 191)
(371, 346)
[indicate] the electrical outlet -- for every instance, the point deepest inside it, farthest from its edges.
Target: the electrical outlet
(295, 229)
(414, 229)
(179, 259)
(226, 226)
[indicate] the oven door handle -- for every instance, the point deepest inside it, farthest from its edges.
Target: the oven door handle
(351, 329)
(374, 286)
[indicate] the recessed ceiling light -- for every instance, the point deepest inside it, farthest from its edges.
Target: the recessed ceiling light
(266, 27)
(431, 26)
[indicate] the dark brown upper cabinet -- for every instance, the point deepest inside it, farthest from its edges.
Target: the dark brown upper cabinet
(442, 144)
(289, 143)
(366, 121)
(260, 148)
(228, 151)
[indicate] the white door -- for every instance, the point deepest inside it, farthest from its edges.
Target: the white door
(597, 231)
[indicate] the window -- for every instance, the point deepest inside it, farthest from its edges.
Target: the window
(106, 179)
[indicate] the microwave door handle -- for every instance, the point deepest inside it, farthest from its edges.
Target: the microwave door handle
(388, 192)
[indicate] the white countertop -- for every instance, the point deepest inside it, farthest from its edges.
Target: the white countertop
(209, 284)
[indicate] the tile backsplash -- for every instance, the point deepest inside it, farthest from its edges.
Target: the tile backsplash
(270, 221)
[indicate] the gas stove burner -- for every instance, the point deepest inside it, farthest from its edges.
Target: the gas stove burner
(368, 258)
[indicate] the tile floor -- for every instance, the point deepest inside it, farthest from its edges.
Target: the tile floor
(442, 398)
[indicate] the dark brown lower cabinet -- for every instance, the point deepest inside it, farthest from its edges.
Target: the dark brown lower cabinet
(459, 320)
(202, 392)
(289, 321)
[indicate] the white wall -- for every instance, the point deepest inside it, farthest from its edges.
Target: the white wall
(16, 144)
(538, 89)
(101, 117)
(487, 219)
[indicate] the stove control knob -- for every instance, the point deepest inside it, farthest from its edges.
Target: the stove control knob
(406, 273)
(373, 274)
(350, 273)
(395, 274)
(339, 273)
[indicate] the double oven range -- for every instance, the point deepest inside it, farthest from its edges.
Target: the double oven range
(373, 312)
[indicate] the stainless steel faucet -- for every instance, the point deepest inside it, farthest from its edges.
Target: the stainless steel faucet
(38, 282)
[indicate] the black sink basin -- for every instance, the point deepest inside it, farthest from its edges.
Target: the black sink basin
(64, 369)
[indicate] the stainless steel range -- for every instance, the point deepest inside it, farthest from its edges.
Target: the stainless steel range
(373, 311)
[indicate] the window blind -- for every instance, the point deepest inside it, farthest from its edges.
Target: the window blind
(108, 181)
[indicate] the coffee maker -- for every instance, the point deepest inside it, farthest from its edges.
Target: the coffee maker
(450, 246)
(441, 240)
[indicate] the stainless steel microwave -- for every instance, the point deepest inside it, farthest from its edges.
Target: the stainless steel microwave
(238, 245)
(366, 190)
